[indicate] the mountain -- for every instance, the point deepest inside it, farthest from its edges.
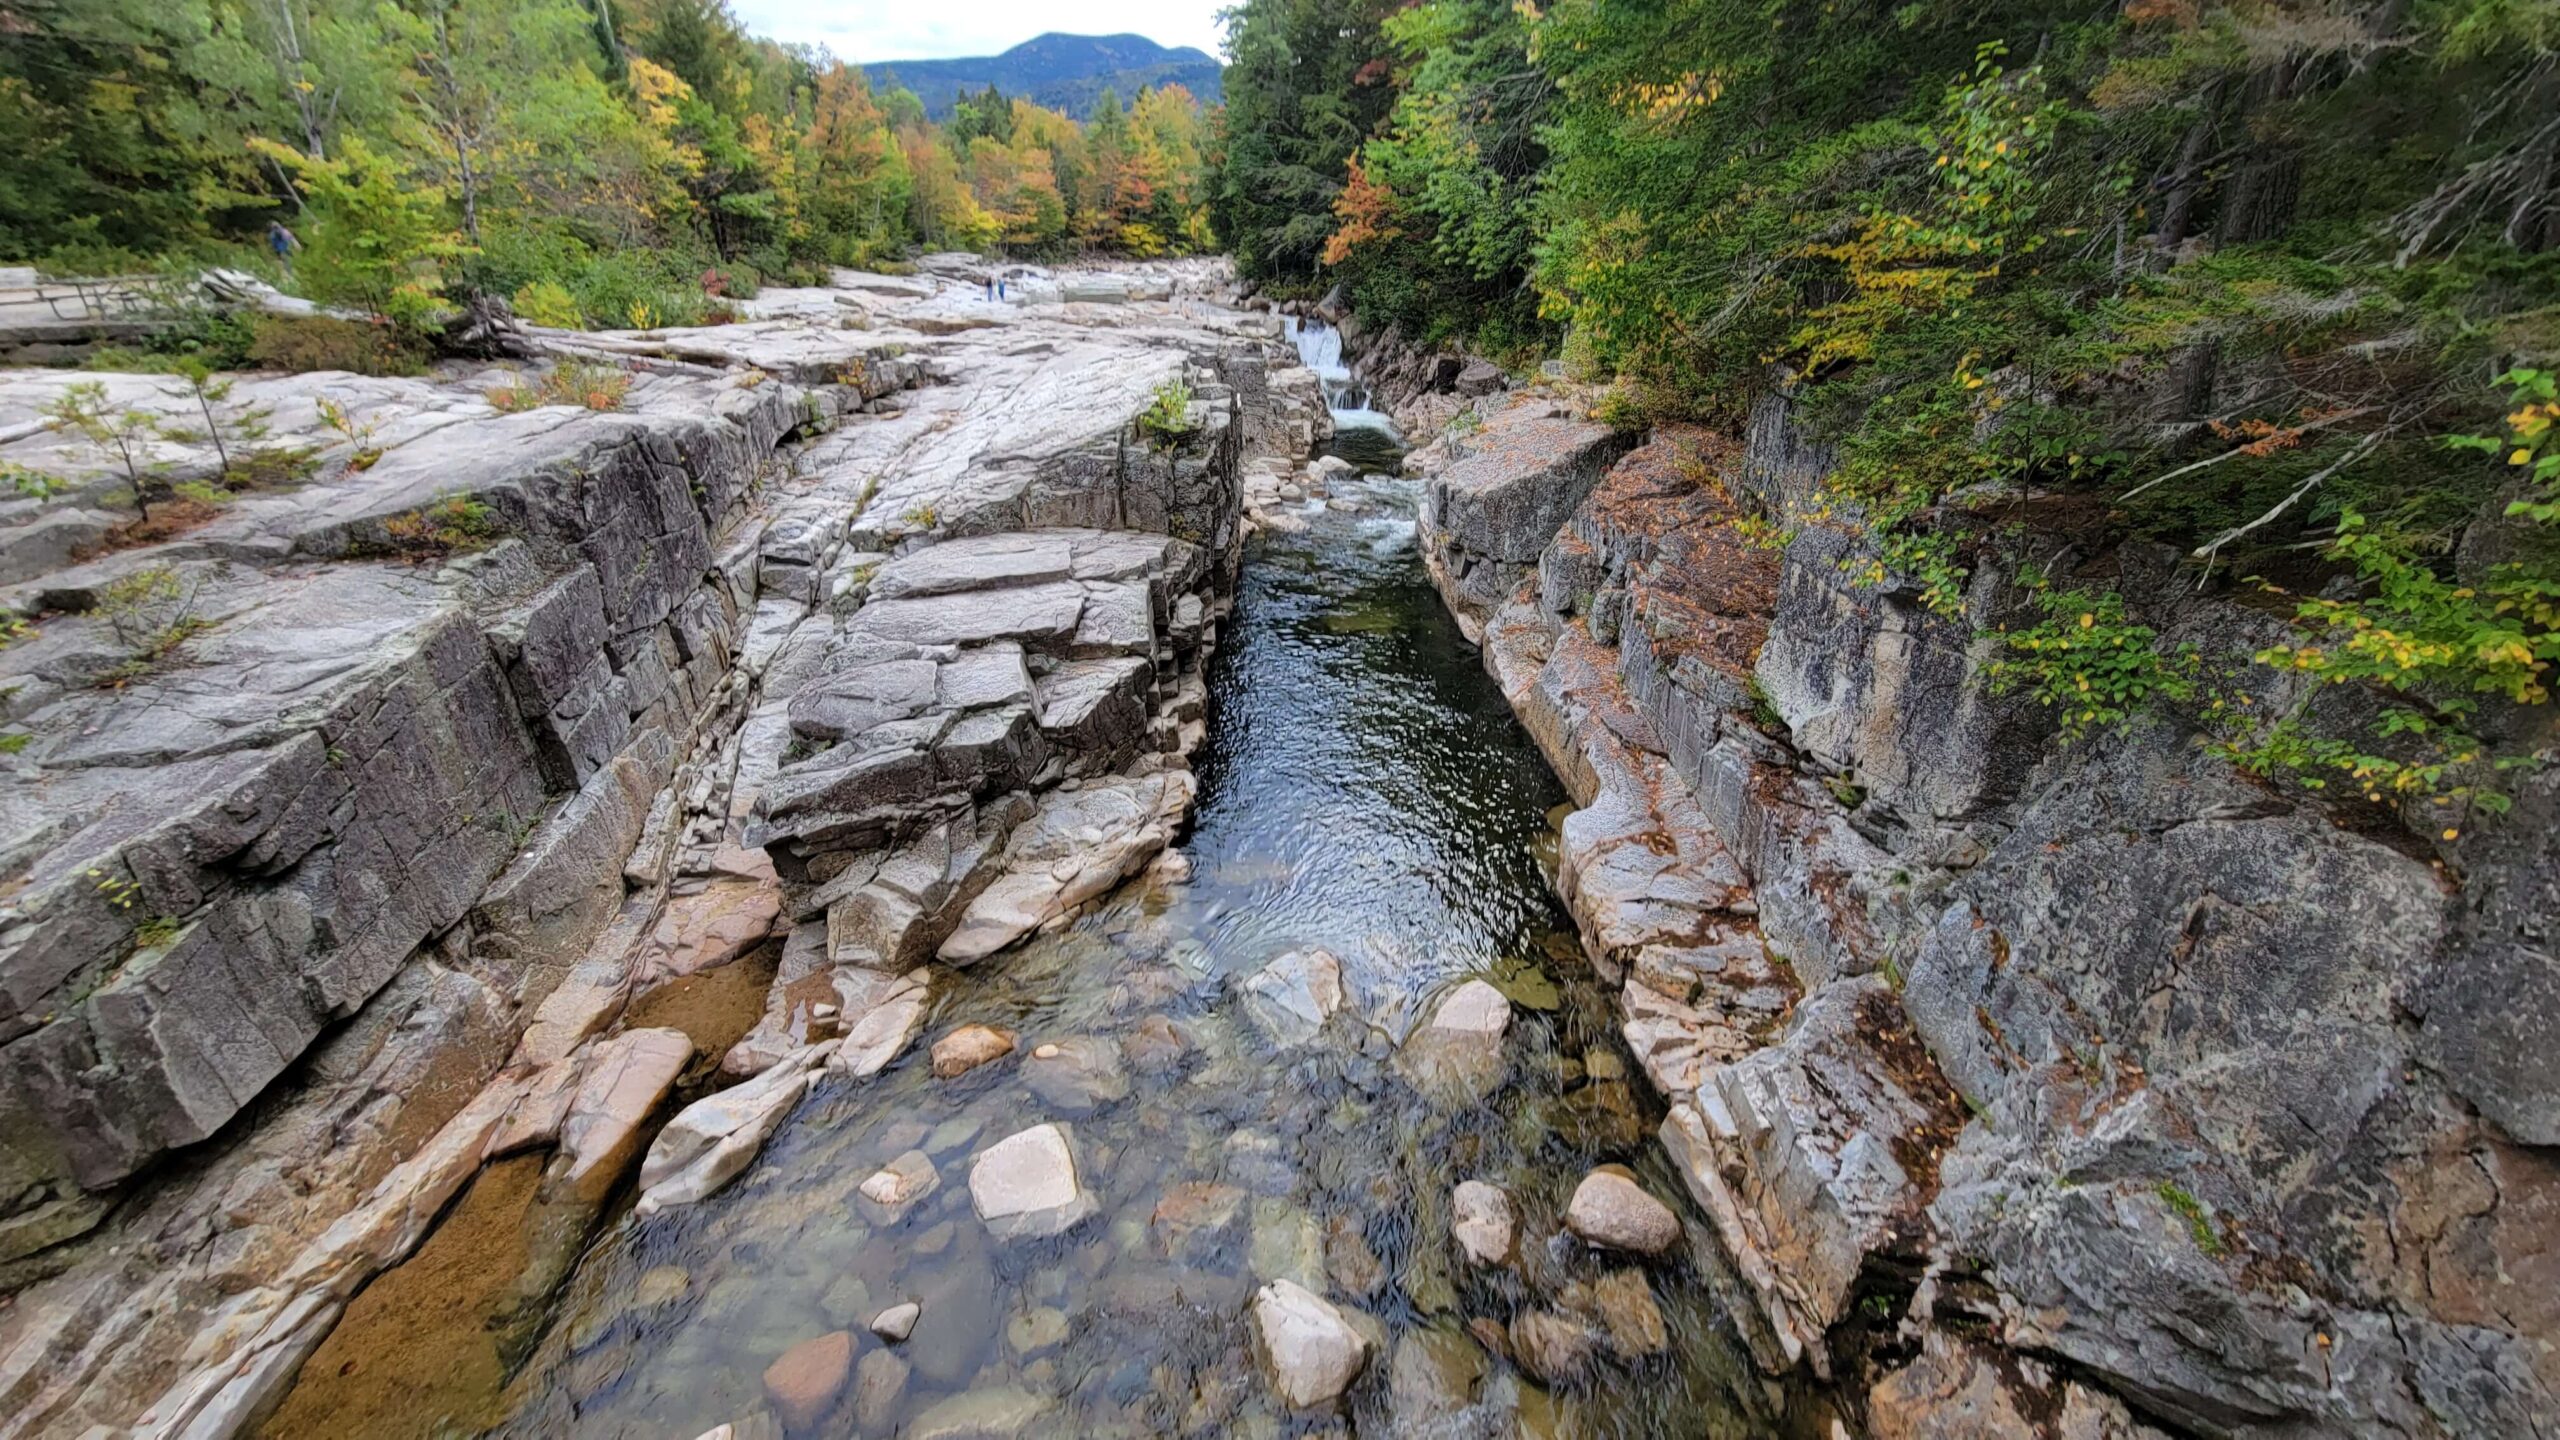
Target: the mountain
(1063, 72)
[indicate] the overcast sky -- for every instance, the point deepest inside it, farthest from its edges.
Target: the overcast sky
(867, 31)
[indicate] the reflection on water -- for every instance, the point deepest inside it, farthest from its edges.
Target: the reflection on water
(1363, 790)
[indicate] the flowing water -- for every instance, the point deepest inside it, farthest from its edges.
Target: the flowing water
(1362, 435)
(1363, 789)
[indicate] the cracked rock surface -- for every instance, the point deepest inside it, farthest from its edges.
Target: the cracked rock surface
(493, 722)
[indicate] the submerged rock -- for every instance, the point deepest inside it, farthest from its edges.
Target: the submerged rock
(1293, 996)
(969, 1047)
(804, 1383)
(1480, 1216)
(879, 1383)
(1199, 1222)
(1026, 1184)
(1433, 1380)
(1457, 1051)
(1310, 1346)
(1078, 1075)
(1623, 1304)
(1556, 1349)
(1610, 1209)
(996, 1414)
(894, 1189)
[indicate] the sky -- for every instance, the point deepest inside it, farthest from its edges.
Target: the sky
(868, 31)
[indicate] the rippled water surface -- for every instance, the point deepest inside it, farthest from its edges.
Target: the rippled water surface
(1363, 790)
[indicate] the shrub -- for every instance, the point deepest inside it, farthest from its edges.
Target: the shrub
(151, 612)
(122, 437)
(2089, 663)
(302, 344)
(544, 302)
(1168, 415)
(453, 524)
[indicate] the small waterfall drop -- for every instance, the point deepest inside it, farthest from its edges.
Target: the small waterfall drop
(1320, 349)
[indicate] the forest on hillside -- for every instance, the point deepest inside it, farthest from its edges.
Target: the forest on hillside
(607, 163)
(2274, 281)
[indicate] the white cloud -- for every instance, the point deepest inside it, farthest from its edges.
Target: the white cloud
(869, 31)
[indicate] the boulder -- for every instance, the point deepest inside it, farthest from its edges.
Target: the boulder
(1026, 1185)
(1311, 1348)
(1480, 1217)
(1610, 1209)
(712, 1139)
(884, 1032)
(620, 1088)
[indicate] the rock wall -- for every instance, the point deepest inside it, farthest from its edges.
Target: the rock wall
(467, 745)
(2096, 1075)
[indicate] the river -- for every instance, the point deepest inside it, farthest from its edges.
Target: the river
(1363, 790)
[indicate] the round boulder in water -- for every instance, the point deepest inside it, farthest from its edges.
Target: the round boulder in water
(1609, 1208)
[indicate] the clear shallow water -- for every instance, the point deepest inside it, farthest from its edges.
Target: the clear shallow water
(1365, 790)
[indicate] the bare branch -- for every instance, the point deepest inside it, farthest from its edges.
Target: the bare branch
(2322, 423)
(2213, 547)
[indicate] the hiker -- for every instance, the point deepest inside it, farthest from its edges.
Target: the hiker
(991, 289)
(284, 242)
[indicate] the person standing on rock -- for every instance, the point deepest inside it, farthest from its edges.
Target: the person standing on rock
(284, 242)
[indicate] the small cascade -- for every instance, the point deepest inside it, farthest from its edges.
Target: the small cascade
(1320, 349)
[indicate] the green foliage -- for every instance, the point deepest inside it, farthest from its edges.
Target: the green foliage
(2191, 1210)
(452, 524)
(156, 932)
(123, 437)
(372, 237)
(1297, 111)
(2089, 664)
(1168, 413)
(545, 302)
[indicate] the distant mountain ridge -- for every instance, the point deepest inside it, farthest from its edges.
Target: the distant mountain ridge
(1063, 72)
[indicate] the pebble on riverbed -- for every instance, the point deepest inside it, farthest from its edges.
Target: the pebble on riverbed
(897, 1322)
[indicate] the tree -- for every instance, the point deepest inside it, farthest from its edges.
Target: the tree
(1307, 83)
(853, 175)
(474, 72)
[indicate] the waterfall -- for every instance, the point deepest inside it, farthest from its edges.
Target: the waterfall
(1320, 349)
